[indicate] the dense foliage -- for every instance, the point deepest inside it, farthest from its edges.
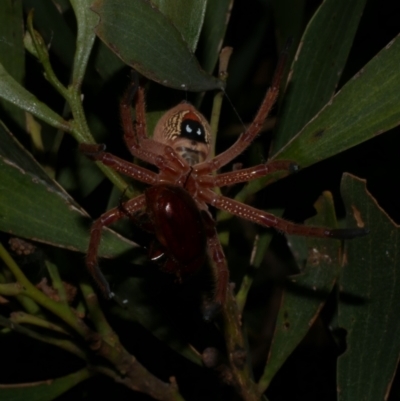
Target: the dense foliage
(319, 318)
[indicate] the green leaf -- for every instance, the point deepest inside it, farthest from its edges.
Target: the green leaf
(212, 36)
(12, 54)
(187, 16)
(370, 299)
(42, 391)
(306, 292)
(34, 206)
(318, 65)
(365, 107)
(145, 39)
(86, 21)
(14, 93)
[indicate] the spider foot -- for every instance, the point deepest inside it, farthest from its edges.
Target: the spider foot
(92, 151)
(123, 303)
(348, 233)
(132, 89)
(112, 296)
(105, 290)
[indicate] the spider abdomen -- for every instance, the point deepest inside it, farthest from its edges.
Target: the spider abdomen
(186, 131)
(178, 226)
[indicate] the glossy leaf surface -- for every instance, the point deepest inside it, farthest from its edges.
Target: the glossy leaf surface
(12, 54)
(318, 65)
(35, 207)
(146, 40)
(365, 107)
(14, 93)
(86, 23)
(187, 16)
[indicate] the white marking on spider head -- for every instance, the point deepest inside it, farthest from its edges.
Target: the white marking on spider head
(188, 129)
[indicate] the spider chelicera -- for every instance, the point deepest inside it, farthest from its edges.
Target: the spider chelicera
(176, 202)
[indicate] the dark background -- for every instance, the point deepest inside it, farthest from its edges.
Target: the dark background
(309, 373)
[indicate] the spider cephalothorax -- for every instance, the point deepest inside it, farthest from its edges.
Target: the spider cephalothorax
(176, 201)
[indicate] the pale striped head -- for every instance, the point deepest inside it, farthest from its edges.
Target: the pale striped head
(186, 131)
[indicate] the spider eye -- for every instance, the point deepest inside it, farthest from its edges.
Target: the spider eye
(193, 130)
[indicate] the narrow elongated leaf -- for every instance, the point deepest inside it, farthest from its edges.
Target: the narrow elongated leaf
(187, 16)
(34, 206)
(42, 391)
(12, 54)
(370, 301)
(145, 39)
(366, 106)
(86, 23)
(215, 22)
(14, 93)
(318, 65)
(306, 293)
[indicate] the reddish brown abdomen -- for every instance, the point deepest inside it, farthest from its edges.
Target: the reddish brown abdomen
(179, 228)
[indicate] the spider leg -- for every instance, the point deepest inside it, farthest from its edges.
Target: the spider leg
(251, 133)
(219, 268)
(135, 134)
(269, 220)
(97, 153)
(247, 174)
(105, 220)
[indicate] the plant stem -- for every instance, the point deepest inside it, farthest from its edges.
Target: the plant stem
(97, 315)
(224, 57)
(61, 310)
(237, 350)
